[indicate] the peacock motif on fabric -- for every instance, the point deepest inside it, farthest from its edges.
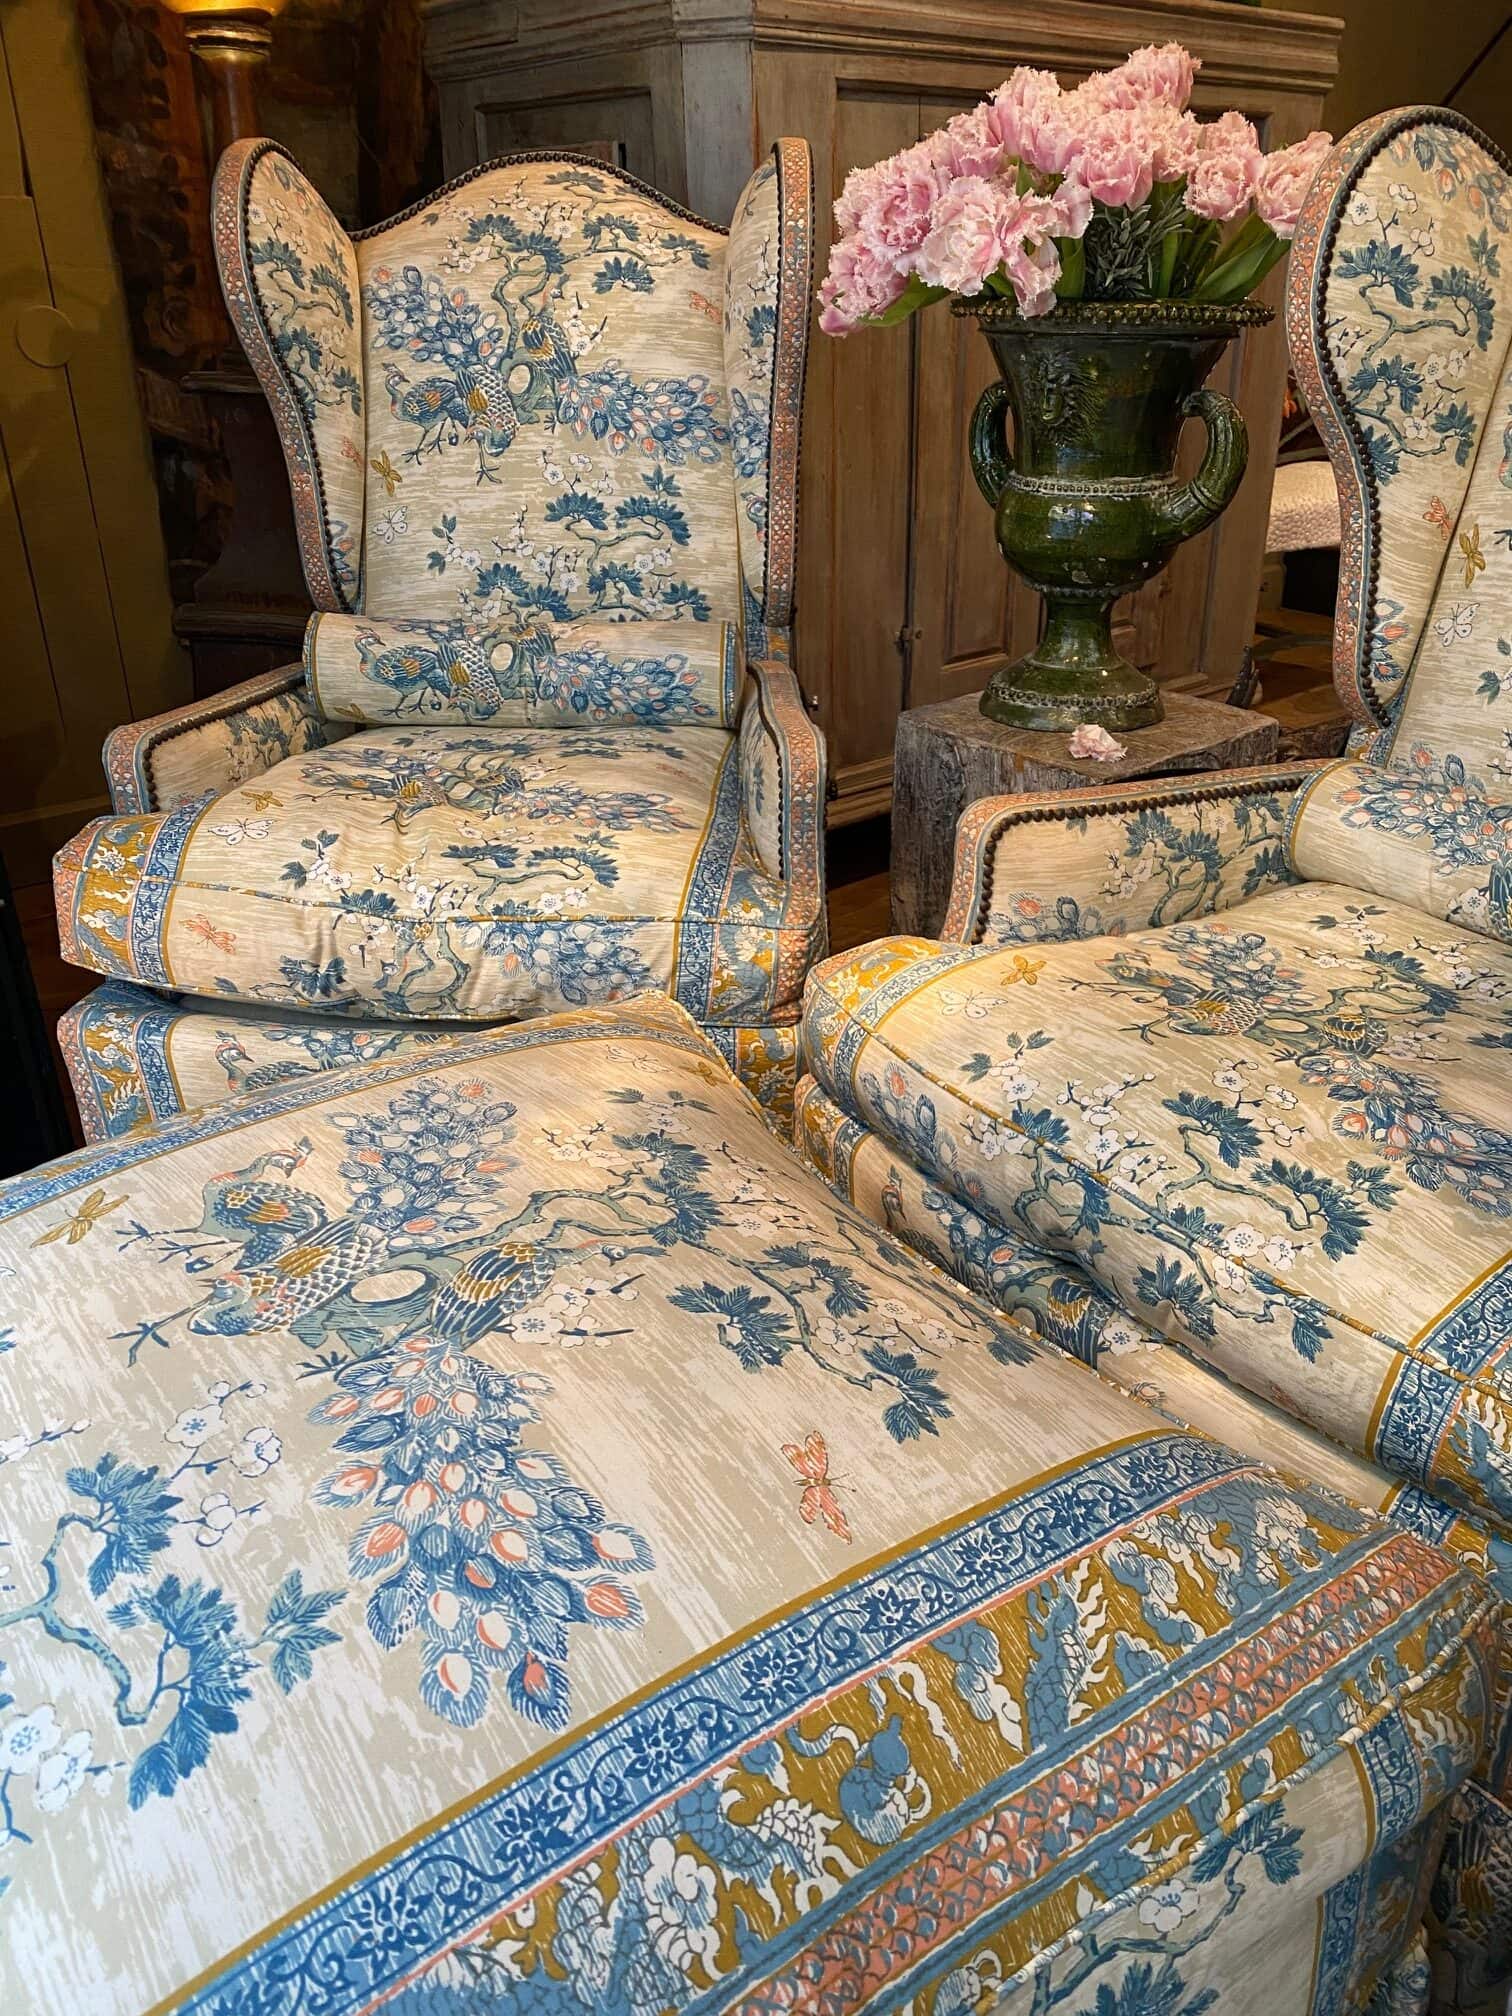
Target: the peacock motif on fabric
(512, 361)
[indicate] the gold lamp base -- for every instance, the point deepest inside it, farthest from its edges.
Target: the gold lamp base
(232, 43)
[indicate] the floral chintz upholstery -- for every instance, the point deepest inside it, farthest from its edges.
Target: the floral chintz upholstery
(1278, 1133)
(546, 748)
(1208, 1081)
(488, 1529)
(595, 671)
(1058, 1299)
(448, 872)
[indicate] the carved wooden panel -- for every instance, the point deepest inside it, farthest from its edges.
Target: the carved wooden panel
(616, 128)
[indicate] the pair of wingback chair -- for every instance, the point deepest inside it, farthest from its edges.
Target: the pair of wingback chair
(545, 748)
(1205, 1081)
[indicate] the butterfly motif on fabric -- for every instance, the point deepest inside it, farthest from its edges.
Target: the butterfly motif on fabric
(80, 1222)
(810, 1459)
(383, 468)
(202, 927)
(1457, 625)
(235, 831)
(1471, 554)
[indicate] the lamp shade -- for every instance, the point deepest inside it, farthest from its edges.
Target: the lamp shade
(266, 10)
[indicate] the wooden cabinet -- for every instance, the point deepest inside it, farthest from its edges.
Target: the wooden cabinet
(902, 596)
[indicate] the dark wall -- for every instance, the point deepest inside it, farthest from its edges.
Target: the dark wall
(1420, 52)
(345, 93)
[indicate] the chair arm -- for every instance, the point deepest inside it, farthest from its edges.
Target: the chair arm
(209, 745)
(782, 781)
(1114, 858)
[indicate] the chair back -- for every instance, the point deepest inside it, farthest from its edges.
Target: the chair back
(543, 395)
(1399, 316)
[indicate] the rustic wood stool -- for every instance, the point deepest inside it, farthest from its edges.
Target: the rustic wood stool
(949, 754)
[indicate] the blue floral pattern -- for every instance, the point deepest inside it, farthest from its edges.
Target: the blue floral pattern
(448, 873)
(569, 1703)
(532, 675)
(521, 328)
(1411, 315)
(549, 516)
(1275, 1092)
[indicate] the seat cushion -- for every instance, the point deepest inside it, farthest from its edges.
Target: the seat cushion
(1283, 1135)
(135, 1056)
(446, 873)
(496, 1529)
(1057, 1298)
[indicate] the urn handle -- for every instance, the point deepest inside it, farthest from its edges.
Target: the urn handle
(991, 463)
(1191, 507)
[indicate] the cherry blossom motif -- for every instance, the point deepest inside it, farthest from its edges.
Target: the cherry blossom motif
(26, 1739)
(1167, 1905)
(63, 1771)
(217, 1516)
(196, 1425)
(260, 1450)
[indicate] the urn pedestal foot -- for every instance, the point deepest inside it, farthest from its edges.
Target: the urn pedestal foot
(1073, 675)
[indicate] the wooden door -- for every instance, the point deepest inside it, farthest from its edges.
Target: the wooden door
(82, 570)
(858, 455)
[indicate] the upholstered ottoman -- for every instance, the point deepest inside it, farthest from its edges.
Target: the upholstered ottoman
(488, 1529)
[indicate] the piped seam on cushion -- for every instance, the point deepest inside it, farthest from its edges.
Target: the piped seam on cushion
(1050, 808)
(180, 886)
(1081, 1172)
(1188, 1351)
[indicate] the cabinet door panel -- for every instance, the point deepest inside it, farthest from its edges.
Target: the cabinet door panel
(862, 411)
(614, 127)
(969, 612)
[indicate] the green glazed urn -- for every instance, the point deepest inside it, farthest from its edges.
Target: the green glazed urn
(1088, 504)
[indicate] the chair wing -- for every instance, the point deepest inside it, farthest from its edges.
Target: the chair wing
(544, 394)
(289, 273)
(767, 299)
(1399, 315)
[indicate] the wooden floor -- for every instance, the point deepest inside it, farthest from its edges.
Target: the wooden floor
(57, 983)
(859, 903)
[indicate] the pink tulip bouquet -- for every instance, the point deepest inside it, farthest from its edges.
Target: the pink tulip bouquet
(1110, 192)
